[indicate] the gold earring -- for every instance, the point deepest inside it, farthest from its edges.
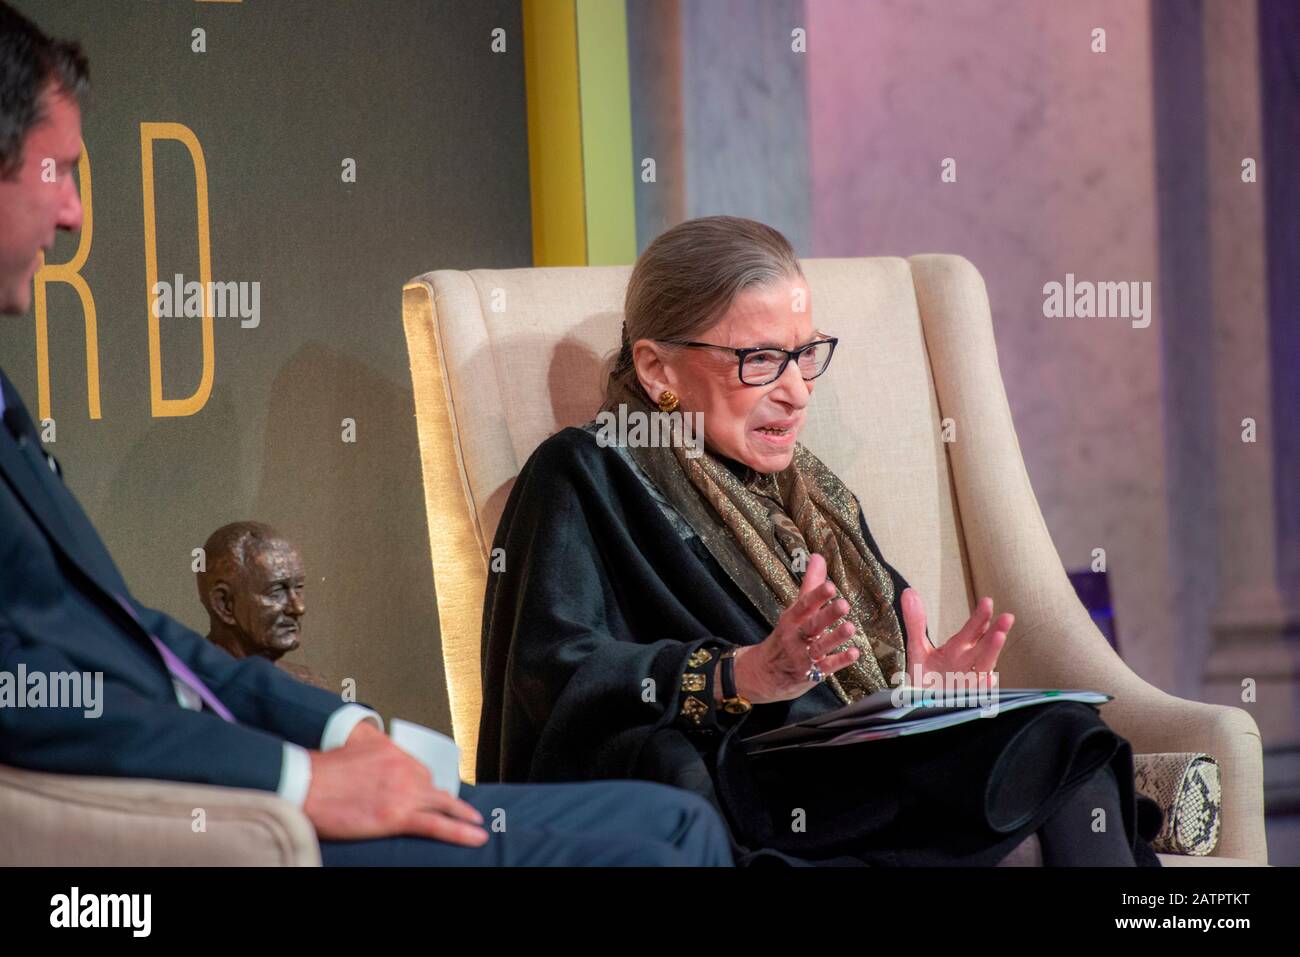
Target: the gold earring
(667, 401)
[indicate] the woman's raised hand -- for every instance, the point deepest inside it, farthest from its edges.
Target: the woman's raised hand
(974, 648)
(777, 668)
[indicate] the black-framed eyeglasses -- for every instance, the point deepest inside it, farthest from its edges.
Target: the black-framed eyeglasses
(760, 365)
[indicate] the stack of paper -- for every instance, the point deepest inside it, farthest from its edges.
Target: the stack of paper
(439, 753)
(879, 715)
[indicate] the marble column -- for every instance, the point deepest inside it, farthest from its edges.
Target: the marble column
(1255, 624)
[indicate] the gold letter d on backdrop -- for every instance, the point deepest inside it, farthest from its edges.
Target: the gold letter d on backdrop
(149, 132)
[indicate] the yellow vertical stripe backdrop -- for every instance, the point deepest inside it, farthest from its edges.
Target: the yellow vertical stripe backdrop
(579, 132)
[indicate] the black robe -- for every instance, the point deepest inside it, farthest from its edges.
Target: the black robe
(604, 594)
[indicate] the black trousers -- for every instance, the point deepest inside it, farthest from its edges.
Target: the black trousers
(960, 796)
(1088, 829)
(604, 823)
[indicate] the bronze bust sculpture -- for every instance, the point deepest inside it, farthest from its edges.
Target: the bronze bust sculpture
(252, 588)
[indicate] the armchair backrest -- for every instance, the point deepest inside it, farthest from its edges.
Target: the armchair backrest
(501, 359)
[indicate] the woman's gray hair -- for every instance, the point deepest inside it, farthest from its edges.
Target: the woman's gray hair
(688, 277)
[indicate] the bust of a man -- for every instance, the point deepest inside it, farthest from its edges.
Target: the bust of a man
(252, 588)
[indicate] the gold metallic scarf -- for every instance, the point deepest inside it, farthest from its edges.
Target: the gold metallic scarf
(762, 528)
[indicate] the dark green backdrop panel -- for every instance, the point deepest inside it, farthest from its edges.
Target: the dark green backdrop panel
(285, 92)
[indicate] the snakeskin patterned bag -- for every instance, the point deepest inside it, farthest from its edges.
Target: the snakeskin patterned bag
(1187, 788)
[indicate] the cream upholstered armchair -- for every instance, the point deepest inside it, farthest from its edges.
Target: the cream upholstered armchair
(501, 359)
(68, 820)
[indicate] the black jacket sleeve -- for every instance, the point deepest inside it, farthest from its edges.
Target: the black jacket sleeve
(585, 643)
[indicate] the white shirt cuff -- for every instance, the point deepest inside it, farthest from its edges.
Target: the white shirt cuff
(341, 723)
(295, 774)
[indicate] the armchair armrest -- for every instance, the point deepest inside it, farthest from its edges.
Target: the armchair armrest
(1012, 558)
(61, 819)
(1154, 721)
(1074, 654)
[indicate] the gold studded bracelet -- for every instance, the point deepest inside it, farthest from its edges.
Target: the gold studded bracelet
(697, 712)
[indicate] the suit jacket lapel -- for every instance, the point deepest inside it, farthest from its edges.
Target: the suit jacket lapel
(28, 476)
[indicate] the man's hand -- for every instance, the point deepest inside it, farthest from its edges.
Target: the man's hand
(362, 730)
(372, 788)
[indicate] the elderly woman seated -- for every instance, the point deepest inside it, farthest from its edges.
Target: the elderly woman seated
(660, 601)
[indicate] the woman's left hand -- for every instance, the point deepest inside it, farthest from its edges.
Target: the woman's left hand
(974, 648)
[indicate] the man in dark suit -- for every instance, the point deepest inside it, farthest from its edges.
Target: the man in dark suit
(169, 704)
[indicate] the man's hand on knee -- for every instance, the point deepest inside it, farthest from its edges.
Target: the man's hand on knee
(371, 788)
